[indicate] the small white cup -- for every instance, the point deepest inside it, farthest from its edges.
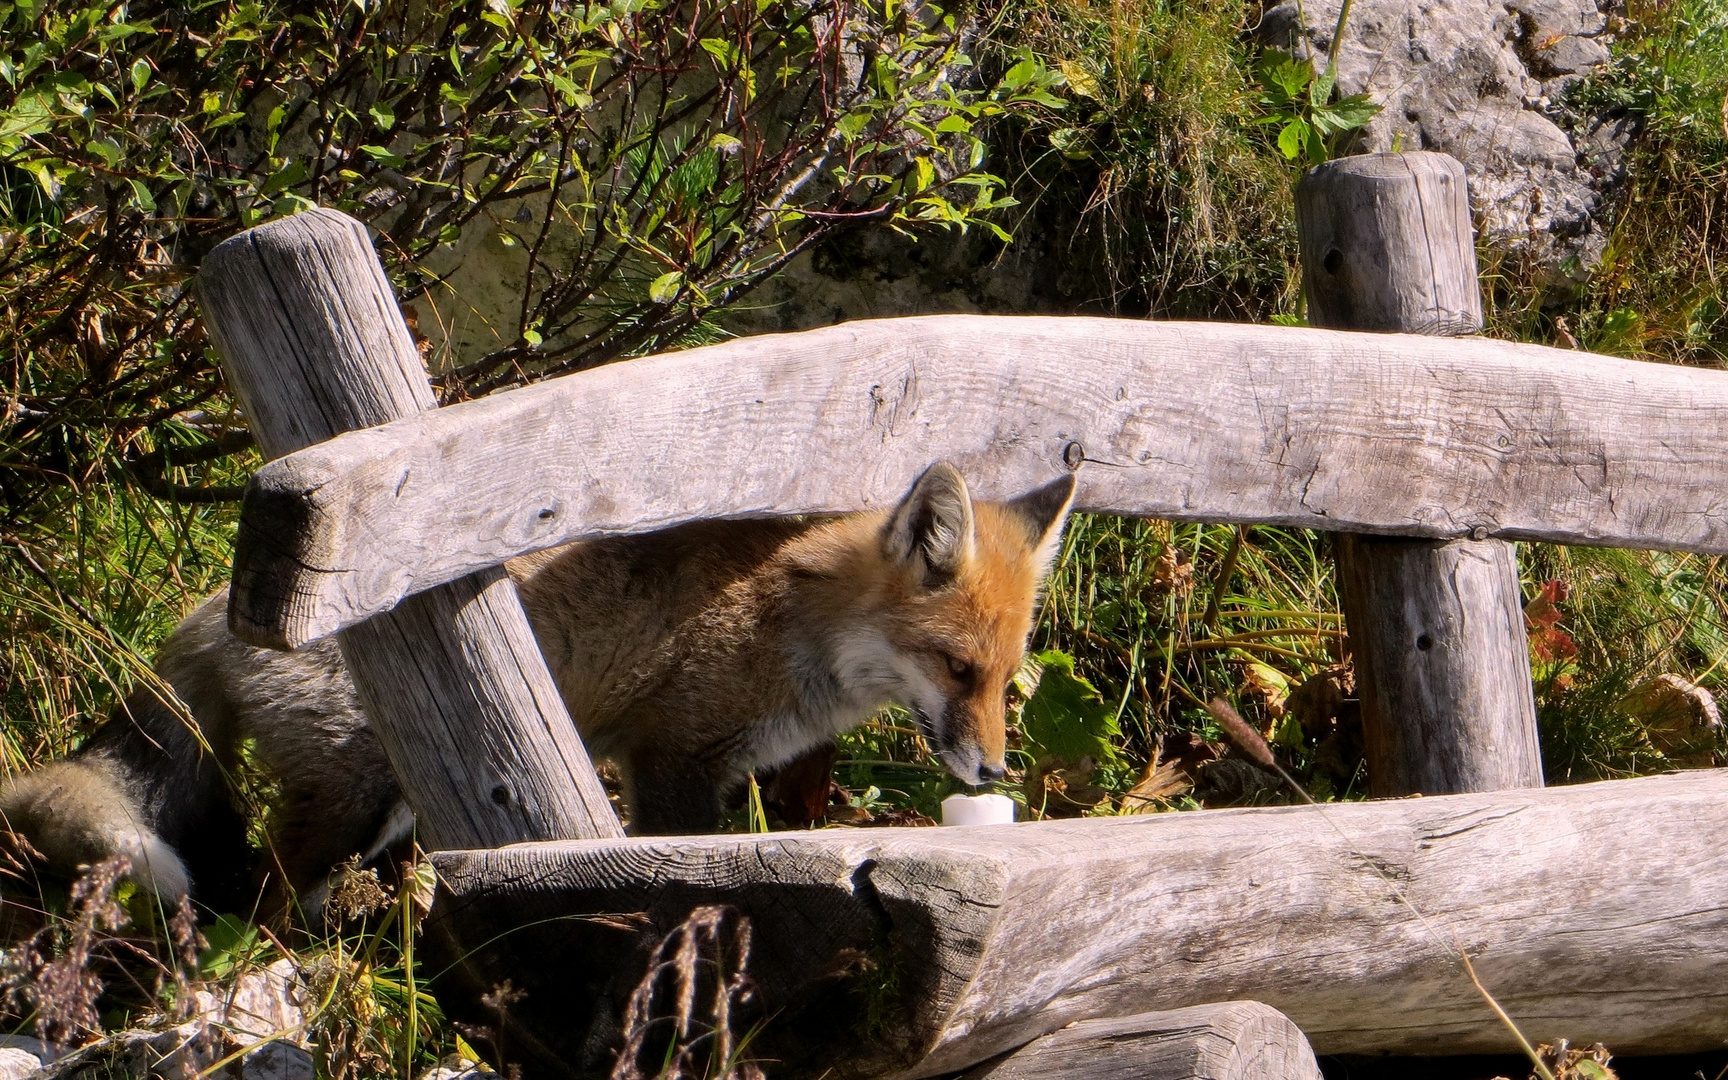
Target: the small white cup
(977, 810)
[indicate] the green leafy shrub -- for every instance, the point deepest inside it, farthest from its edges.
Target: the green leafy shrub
(1157, 167)
(647, 163)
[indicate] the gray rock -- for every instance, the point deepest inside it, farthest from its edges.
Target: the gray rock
(1465, 77)
(15, 1063)
(1547, 19)
(277, 1060)
(259, 1005)
(1569, 55)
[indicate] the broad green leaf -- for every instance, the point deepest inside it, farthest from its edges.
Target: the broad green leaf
(383, 156)
(1352, 112)
(723, 51)
(1290, 139)
(1020, 74)
(140, 75)
(923, 173)
(32, 115)
(284, 178)
(1066, 717)
(665, 287)
(106, 149)
(1320, 90)
(852, 124)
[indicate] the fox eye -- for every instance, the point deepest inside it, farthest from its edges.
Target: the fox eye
(957, 667)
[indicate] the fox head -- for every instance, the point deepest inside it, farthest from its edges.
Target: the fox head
(944, 623)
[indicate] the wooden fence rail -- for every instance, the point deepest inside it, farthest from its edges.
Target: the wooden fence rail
(1593, 912)
(1374, 433)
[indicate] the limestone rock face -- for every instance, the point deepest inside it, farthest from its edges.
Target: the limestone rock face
(1483, 80)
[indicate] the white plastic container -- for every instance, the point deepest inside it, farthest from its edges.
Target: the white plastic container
(977, 810)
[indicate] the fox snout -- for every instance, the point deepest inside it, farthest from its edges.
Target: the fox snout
(969, 740)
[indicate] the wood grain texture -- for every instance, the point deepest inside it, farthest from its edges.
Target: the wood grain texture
(1387, 245)
(1442, 664)
(1591, 912)
(1188, 421)
(1236, 1040)
(313, 344)
(1437, 627)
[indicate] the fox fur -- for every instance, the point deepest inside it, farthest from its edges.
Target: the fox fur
(690, 658)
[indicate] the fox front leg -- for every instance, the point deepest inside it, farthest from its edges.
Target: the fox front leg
(671, 795)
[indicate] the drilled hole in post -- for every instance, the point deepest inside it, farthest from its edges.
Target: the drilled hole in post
(1424, 642)
(1333, 262)
(501, 795)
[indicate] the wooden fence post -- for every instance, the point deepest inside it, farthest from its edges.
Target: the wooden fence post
(313, 344)
(1436, 626)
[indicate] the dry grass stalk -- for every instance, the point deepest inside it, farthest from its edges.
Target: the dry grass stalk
(680, 1020)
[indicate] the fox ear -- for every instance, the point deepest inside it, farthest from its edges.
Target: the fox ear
(1043, 512)
(931, 529)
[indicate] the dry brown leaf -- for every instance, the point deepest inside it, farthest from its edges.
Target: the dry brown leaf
(1680, 717)
(1317, 702)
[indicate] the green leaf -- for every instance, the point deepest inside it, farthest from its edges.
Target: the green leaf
(665, 287)
(723, 51)
(1071, 142)
(1066, 717)
(284, 178)
(1320, 90)
(852, 124)
(382, 115)
(1290, 139)
(106, 149)
(230, 942)
(1284, 75)
(1313, 144)
(140, 75)
(923, 173)
(1020, 74)
(1352, 112)
(383, 156)
(32, 115)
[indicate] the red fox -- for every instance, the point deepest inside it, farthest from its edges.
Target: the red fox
(690, 658)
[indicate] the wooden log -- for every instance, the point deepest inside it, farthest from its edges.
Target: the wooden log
(1188, 421)
(1237, 1040)
(1437, 627)
(1592, 912)
(454, 685)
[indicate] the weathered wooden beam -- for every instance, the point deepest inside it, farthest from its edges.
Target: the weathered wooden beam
(313, 344)
(1592, 912)
(1188, 421)
(1237, 1040)
(1436, 626)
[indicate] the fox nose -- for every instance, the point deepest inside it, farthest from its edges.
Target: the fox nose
(991, 773)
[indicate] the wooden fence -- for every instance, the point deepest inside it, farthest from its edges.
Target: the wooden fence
(383, 520)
